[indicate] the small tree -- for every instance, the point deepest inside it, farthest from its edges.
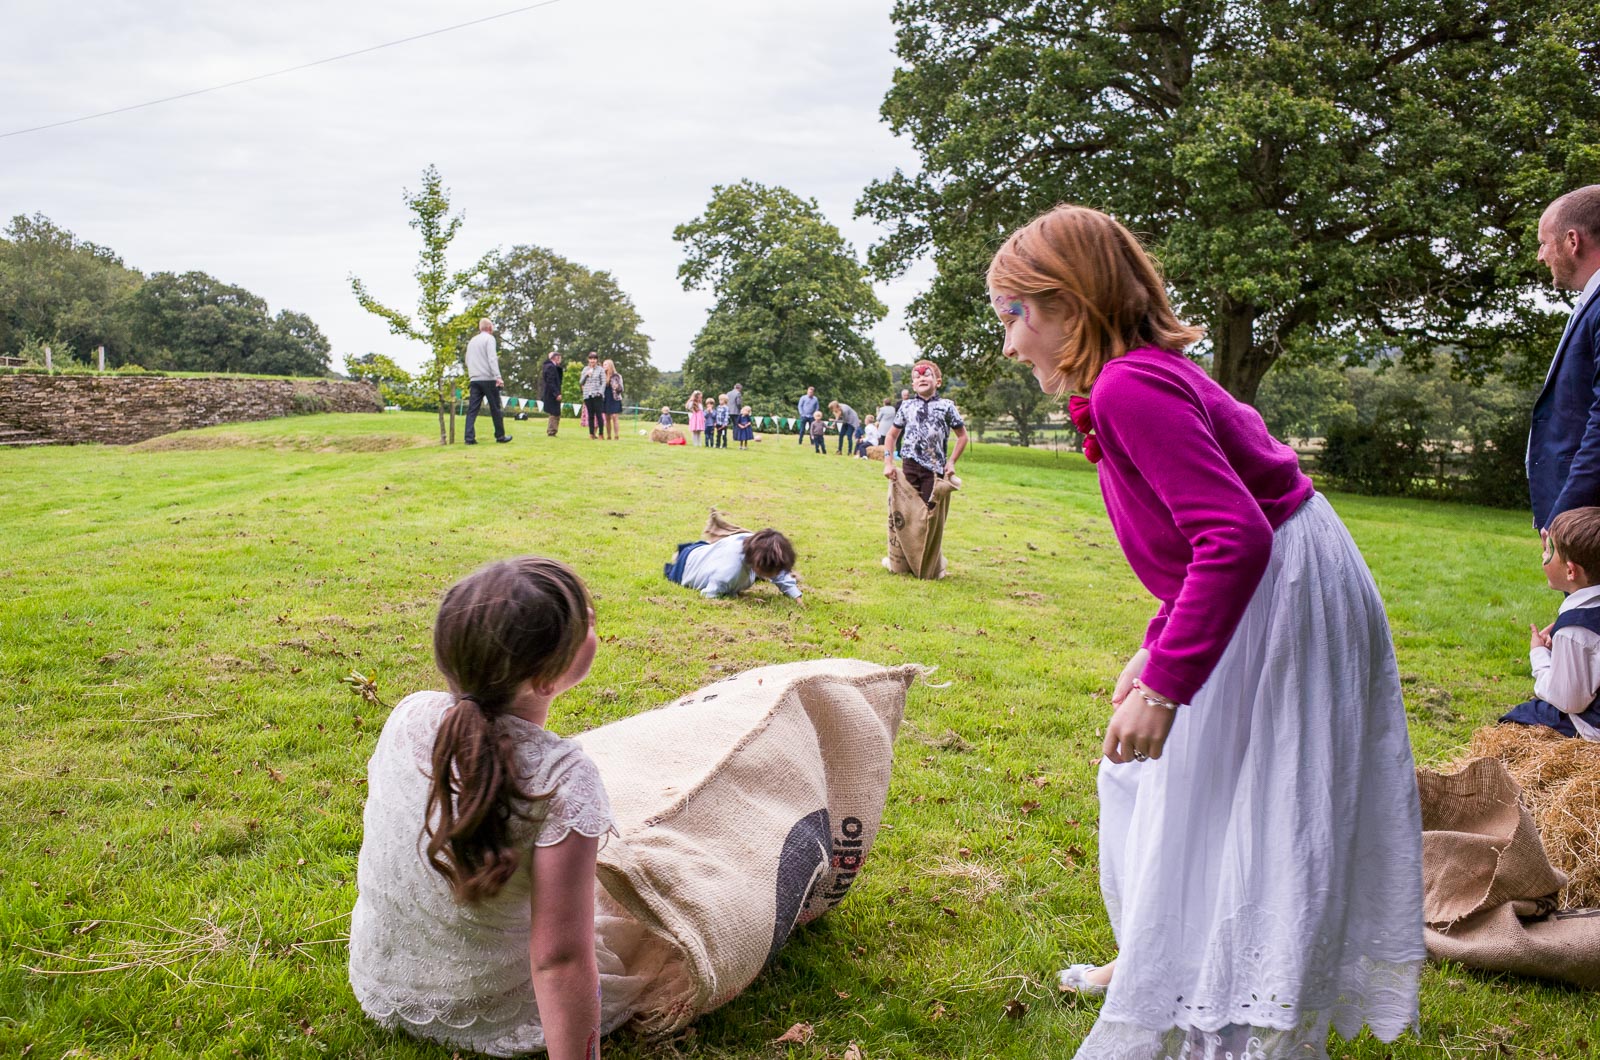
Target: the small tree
(439, 327)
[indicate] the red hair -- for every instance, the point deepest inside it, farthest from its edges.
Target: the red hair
(1087, 264)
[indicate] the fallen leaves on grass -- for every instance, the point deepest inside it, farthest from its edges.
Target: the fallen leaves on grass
(799, 1034)
(1015, 1009)
(365, 687)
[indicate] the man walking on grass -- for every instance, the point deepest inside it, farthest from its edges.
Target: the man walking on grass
(483, 375)
(550, 391)
(809, 404)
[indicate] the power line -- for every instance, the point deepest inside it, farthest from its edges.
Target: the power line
(280, 73)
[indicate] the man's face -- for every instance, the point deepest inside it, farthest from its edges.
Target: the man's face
(811, 391)
(1556, 253)
(555, 358)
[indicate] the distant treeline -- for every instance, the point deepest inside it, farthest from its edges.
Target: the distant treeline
(73, 296)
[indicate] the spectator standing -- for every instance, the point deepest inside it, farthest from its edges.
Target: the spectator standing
(849, 423)
(483, 382)
(1563, 454)
(613, 399)
(807, 407)
(819, 433)
(736, 399)
(723, 417)
(885, 414)
(697, 416)
(592, 382)
(550, 391)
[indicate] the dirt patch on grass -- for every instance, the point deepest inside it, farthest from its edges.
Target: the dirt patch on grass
(305, 443)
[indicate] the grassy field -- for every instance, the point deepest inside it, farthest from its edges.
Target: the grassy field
(183, 767)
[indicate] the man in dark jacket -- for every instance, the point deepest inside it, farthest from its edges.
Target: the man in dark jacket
(1564, 442)
(550, 391)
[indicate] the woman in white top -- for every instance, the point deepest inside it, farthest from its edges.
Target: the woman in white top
(475, 921)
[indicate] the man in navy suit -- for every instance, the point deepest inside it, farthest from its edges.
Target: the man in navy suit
(1564, 440)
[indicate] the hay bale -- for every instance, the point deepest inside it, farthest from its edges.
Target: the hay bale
(665, 434)
(874, 452)
(1560, 781)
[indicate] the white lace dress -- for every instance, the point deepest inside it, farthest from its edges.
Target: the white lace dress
(460, 974)
(1264, 876)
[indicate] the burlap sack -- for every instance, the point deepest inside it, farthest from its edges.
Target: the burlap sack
(916, 532)
(874, 452)
(745, 810)
(665, 434)
(1489, 892)
(718, 528)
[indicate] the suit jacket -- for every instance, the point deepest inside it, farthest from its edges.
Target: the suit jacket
(1564, 438)
(550, 383)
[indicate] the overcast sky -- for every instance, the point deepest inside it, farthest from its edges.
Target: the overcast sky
(591, 127)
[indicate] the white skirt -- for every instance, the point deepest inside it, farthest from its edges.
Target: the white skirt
(1264, 876)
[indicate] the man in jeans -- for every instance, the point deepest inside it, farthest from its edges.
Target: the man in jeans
(809, 404)
(483, 374)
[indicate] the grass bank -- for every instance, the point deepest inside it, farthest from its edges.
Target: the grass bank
(183, 768)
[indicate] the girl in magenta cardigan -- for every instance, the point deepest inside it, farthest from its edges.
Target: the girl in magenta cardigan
(1260, 838)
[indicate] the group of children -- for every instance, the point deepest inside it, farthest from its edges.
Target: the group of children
(709, 423)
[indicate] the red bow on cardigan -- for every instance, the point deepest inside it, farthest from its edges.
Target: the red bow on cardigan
(1078, 413)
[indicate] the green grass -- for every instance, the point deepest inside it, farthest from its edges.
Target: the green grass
(183, 766)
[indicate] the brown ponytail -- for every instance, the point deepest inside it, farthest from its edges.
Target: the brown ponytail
(510, 622)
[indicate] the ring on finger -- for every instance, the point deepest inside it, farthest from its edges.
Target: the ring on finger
(1140, 756)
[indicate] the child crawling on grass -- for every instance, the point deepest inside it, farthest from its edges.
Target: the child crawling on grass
(733, 560)
(1565, 655)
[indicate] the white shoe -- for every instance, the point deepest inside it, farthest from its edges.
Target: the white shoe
(1075, 980)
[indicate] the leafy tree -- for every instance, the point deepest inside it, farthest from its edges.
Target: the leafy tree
(793, 304)
(444, 328)
(544, 303)
(194, 322)
(1311, 175)
(395, 383)
(63, 292)
(1011, 395)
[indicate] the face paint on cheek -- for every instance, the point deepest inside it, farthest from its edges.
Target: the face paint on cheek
(1012, 306)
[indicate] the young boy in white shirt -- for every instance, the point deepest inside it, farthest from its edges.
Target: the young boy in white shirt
(1565, 655)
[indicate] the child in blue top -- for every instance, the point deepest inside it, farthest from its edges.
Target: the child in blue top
(666, 417)
(722, 421)
(744, 428)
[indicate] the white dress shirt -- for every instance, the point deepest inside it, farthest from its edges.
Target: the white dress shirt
(1567, 674)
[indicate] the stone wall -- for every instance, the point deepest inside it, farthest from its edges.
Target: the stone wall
(123, 409)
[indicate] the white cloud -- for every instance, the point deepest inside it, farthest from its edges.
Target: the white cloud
(592, 127)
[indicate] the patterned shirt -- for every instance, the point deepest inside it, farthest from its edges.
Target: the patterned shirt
(925, 427)
(592, 380)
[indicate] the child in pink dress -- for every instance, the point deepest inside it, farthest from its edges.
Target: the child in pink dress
(1260, 836)
(697, 416)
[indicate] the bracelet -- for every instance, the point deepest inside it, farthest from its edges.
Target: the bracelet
(1155, 699)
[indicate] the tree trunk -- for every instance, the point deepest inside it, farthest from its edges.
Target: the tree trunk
(1240, 362)
(438, 395)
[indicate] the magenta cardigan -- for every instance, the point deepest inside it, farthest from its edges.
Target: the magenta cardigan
(1194, 486)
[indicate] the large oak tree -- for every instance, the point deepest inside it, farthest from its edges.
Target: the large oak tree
(1315, 173)
(793, 304)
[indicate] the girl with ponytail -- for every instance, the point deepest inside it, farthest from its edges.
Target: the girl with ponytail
(474, 924)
